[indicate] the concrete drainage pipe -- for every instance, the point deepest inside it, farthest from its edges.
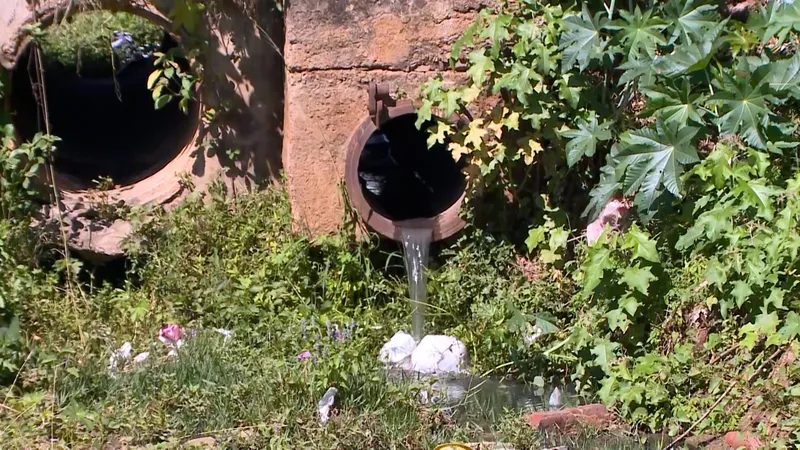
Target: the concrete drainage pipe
(107, 125)
(394, 180)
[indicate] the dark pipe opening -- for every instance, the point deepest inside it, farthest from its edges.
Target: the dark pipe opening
(107, 128)
(402, 179)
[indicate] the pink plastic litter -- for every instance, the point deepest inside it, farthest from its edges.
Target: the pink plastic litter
(612, 214)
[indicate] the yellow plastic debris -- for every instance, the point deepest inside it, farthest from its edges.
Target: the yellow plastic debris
(452, 446)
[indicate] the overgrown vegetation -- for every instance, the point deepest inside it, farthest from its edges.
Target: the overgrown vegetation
(83, 46)
(687, 321)
(692, 115)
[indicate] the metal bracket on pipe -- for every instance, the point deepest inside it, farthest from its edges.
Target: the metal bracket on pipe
(380, 103)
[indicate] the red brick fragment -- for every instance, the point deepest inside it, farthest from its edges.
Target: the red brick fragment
(593, 415)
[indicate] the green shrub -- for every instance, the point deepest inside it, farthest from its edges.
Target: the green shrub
(83, 44)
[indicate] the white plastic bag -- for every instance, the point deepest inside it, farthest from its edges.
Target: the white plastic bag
(437, 354)
(325, 403)
(397, 352)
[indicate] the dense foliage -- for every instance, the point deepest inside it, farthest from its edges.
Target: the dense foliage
(83, 45)
(691, 114)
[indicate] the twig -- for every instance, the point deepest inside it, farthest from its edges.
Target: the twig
(722, 397)
(37, 52)
(8, 408)
(721, 355)
(16, 377)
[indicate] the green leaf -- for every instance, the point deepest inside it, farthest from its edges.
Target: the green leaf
(756, 194)
(791, 326)
(767, 323)
(154, 76)
(549, 256)
(655, 158)
(162, 101)
(629, 304)
(602, 192)
(479, 65)
(743, 100)
(749, 336)
(643, 247)
(580, 40)
(785, 76)
(689, 21)
(777, 20)
(692, 58)
(440, 135)
(583, 141)
(741, 292)
(558, 238)
(609, 390)
(535, 237)
(605, 353)
(640, 33)
(617, 320)
(716, 273)
(775, 298)
(424, 113)
(497, 32)
(594, 267)
(637, 278)
(671, 104)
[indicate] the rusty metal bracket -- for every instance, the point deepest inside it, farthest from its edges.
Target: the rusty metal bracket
(380, 103)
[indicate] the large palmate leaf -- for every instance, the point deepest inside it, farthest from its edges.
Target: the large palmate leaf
(690, 58)
(776, 20)
(654, 158)
(743, 103)
(642, 69)
(784, 76)
(602, 192)
(690, 20)
(639, 33)
(583, 141)
(672, 104)
(581, 41)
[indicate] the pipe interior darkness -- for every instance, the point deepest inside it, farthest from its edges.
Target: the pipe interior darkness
(402, 179)
(107, 129)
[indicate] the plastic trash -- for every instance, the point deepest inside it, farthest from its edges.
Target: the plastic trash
(534, 333)
(438, 354)
(325, 404)
(227, 334)
(397, 352)
(555, 399)
(119, 356)
(452, 446)
(613, 214)
(172, 336)
(141, 357)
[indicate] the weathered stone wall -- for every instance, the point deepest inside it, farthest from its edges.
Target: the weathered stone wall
(334, 49)
(243, 76)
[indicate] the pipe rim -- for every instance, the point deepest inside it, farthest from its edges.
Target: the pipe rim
(444, 225)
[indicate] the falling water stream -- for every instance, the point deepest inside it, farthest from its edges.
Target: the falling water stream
(416, 247)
